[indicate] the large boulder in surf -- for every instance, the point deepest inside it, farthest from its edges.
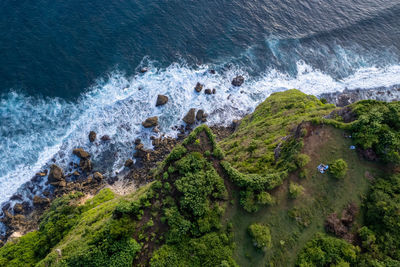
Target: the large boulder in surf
(56, 175)
(92, 136)
(150, 122)
(238, 81)
(81, 153)
(190, 116)
(198, 87)
(161, 100)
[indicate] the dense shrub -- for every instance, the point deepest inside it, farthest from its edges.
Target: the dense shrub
(261, 235)
(382, 217)
(302, 160)
(22, 252)
(378, 127)
(132, 208)
(176, 153)
(213, 249)
(338, 168)
(265, 198)
(324, 250)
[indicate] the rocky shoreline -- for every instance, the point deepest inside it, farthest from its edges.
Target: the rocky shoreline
(348, 97)
(20, 216)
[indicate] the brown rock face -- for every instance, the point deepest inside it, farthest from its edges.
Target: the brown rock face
(150, 122)
(161, 100)
(198, 87)
(18, 208)
(40, 201)
(190, 116)
(208, 91)
(85, 164)
(81, 153)
(238, 81)
(92, 136)
(56, 175)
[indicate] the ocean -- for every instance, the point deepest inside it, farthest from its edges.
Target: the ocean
(69, 67)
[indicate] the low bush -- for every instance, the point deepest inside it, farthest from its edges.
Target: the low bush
(261, 235)
(338, 169)
(295, 190)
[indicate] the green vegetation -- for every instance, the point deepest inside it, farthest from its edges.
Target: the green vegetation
(378, 127)
(338, 168)
(261, 235)
(324, 250)
(293, 222)
(209, 206)
(295, 190)
(86, 235)
(267, 145)
(382, 220)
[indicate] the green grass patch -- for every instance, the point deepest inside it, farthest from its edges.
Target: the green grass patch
(293, 222)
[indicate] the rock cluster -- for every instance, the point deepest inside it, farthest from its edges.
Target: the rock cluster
(191, 117)
(85, 164)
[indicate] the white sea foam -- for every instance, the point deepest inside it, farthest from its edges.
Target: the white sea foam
(35, 131)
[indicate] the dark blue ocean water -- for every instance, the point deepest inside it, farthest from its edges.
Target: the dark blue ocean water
(59, 48)
(68, 67)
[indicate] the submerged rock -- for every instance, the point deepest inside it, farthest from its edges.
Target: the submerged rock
(81, 153)
(150, 122)
(144, 69)
(92, 136)
(105, 138)
(189, 117)
(128, 163)
(198, 87)
(161, 100)
(238, 81)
